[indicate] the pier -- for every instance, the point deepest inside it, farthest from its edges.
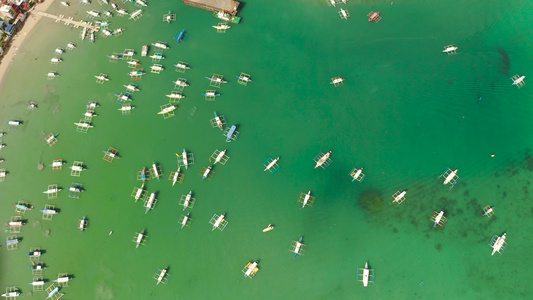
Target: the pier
(70, 21)
(229, 6)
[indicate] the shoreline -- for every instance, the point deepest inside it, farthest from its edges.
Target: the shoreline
(18, 39)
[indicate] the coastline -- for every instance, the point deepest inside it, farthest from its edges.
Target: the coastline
(18, 39)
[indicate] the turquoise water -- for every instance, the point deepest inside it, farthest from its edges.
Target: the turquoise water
(406, 113)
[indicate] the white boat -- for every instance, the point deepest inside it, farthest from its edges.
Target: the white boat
(66, 4)
(93, 13)
(366, 275)
(184, 221)
(181, 83)
(157, 56)
(122, 12)
(306, 198)
(337, 80)
(51, 191)
(59, 51)
(83, 33)
(499, 244)
(75, 189)
(17, 123)
(56, 60)
(217, 223)
(52, 74)
(58, 163)
(93, 37)
(141, 3)
(92, 105)
(438, 218)
(150, 203)
(144, 51)
(271, 164)
(450, 177)
(84, 125)
(139, 239)
(160, 45)
(156, 172)
(175, 96)
(161, 276)
(219, 157)
(108, 13)
(123, 97)
(133, 63)
(14, 223)
(206, 173)
(83, 224)
(400, 197)
(131, 87)
(71, 46)
(62, 279)
(37, 283)
(217, 79)
(222, 27)
(187, 200)
(518, 80)
(106, 32)
(251, 269)
(323, 159)
(101, 77)
(182, 66)
(114, 6)
(176, 176)
(184, 158)
(11, 294)
(129, 53)
(450, 49)
(127, 108)
(48, 211)
(166, 110)
(218, 121)
(157, 68)
(136, 13)
(118, 31)
(268, 228)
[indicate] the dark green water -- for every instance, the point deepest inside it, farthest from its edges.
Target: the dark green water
(406, 113)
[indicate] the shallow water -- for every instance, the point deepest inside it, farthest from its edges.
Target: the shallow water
(406, 113)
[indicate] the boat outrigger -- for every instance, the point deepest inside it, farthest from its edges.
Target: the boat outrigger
(438, 218)
(161, 276)
(365, 275)
(323, 160)
(399, 197)
(518, 80)
(306, 199)
(207, 173)
(184, 221)
(160, 45)
(218, 222)
(150, 203)
(374, 16)
(250, 269)
(450, 49)
(297, 247)
(139, 239)
(144, 50)
(498, 243)
(450, 177)
(181, 36)
(271, 165)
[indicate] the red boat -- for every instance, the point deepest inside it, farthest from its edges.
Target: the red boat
(374, 16)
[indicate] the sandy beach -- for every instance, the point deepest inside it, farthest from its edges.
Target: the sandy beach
(19, 38)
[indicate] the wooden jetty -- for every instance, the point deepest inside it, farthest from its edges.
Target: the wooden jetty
(229, 6)
(70, 21)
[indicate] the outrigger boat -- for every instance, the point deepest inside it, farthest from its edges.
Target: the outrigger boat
(216, 79)
(123, 97)
(518, 80)
(14, 224)
(268, 228)
(136, 14)
(91, 105)
(71, 46)
(166, 110)
(66, 4)
(211, 94)
(133, 63)
(438, 218)
(180, 36)
(175, 96)
(139, 239)
(323, 159)
(297, 246)
(52, 293)
(14, 123)
(131, 87)
(107, 32)
(122, 12)
(450, 49)
(271, 164)
(83, 224)
(84, 125)
(126, 108)
(22, 207)
(59, 51)
(219, 122)
(12, 242)
(222, 15)
(230, 133)
(156, 172)
(206, 173)
(157, 56)
(182, 66)
(83, 33)
(51, 191)
(244, 78)
(141, 3)
(176, 176)
(366, 275)
(144, 50)
(498, 244)
(222, 26)
(63, 279)
(93, 37)
(399, 197)
(34, 254)
(220, 156)
(136, 73)
(150, 202)
(103, 77)
(219, 221)
(161, 276)
(143, 178)
(374, 16)
(488, 211)
(36, 283)
(337, 81)
(157, 68)
(48, 211)
(55, 60)
(250, 269)
(93, 13)
(184, 158)
(187, 200)
(180, 82)
(184, 221)
(306, 199)
(107, 13)
(11, 294)
(128, 53)
(160, 45)
(37, 267)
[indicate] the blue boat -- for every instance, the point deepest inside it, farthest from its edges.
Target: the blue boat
(230, 133)
(181, 36)
(12, 242)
